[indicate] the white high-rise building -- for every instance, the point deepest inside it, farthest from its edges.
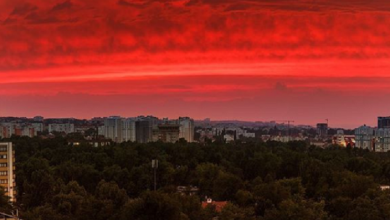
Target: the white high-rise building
(113, 128)
(7, 169)
(364, 137)
(145, 127)
(187, 128)
(128, 129)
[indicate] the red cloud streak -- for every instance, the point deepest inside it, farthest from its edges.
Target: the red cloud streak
(225, 59)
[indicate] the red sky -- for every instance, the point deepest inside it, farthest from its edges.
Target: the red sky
(305, 60)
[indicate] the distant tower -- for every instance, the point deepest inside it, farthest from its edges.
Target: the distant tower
(364, 137)
(142, 131)
(187, 128)
(384, 122)
(322, 130)
(113, 128)
(128, 129)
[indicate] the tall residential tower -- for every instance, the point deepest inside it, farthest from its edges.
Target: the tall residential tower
(187, 128)
(7, 169)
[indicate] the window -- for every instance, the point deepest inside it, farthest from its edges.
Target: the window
(3, 165)
(3, 156)
(3, 181)
(3, 173)
(3, 149)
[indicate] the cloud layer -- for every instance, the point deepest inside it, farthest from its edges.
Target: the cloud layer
(55, 33)
(200, 56)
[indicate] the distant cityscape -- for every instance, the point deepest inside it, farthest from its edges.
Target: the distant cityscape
(142, 129)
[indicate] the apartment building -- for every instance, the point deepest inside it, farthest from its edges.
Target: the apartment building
(7, 169)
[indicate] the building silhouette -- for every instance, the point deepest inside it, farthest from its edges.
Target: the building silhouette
(384, 122)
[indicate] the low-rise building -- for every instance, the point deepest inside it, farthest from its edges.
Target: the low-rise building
(343, 140)
(219, 205)
(229, 138)
(187, 190)
(248, 134)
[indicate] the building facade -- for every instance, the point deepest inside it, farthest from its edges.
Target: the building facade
(187, 128)
(7, 169)
(168, 133)
(143, 131)
(382, 140)
(384, 122)
(113, 128)
(322, 130)
(62, 128)
(18, 129)
(344, 140)
(128, 130)
(364, 137)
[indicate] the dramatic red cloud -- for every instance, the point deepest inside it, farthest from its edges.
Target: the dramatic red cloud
(226, 59)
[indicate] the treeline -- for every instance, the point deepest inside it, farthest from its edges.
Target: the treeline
(269, 181)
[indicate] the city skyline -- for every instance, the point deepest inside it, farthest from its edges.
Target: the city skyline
(380, 121)
(373, 121)
(226, 59)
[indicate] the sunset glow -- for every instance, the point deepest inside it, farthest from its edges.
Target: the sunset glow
(220, 59)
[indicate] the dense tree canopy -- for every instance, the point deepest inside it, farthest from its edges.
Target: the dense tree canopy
(259, 180)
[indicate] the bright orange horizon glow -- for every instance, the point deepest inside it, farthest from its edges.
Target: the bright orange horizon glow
(221, 59)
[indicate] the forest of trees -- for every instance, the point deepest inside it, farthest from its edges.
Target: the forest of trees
(270, 181)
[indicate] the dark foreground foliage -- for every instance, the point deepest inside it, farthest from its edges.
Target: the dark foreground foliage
(270, 181)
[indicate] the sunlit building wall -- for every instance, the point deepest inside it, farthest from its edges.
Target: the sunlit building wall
(187, 128)
(7, 169)
(113, 128)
